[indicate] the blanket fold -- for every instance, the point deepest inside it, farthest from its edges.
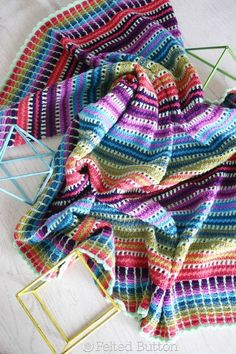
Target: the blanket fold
(144, 176)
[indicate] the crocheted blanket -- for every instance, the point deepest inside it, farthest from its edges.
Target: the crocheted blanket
(144, 183)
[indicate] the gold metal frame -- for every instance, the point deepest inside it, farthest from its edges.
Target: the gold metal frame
(70, 343)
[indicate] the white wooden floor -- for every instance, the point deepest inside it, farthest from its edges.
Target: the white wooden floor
(74, 299)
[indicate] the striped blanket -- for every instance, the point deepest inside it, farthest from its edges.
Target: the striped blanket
(144, 183)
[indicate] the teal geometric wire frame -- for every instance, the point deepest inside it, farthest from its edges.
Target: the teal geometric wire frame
(215, 67)
(48, 166)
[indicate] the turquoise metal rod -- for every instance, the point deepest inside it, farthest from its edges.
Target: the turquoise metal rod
(29, 139)
(6, 142)
(39, 156)
(16, 184)
(33, 138)
(24, 175)
(25, 200)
